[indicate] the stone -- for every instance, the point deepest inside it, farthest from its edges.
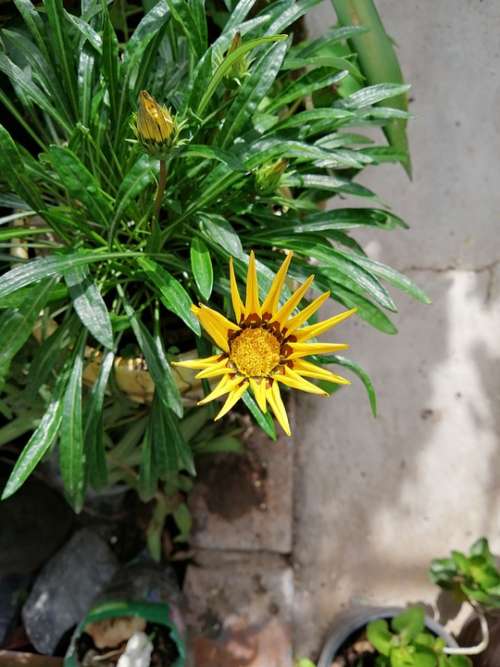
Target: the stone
(66, 587)
(244, 502)
(12, 588)
(35, 522)
(239, 610)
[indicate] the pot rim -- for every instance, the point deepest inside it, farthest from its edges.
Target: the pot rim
(356, 618)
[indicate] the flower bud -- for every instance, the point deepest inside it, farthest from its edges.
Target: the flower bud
(269, 175)
(155, 127)
(239, 69)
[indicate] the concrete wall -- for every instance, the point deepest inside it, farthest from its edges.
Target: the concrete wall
(378, 498)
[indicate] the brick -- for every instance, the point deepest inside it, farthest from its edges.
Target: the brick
(244, 502)
(239, 610)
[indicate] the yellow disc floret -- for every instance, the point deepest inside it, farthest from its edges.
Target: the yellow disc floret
(255, 352)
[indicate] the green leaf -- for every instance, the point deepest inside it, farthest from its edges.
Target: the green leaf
(13, 169)
(183, 521)
(213, 153)
(228, 63)
(409, 623)
(90, 305)
(221, 232)
(158, 366)
(356, 369)
(265, 421)
(93, 425)
(110, 64)
(251, 93)
(379, 635)
(378, 60)
(62, 48)
(172, 294)
(27, 273)
(135, 181)
(72, 459)
(481, 548)
(41, 441)
(16, 325)
(391, 275)
(328, 183)
(148, 473)
(24, 85)
(191, 18)
(80, 183)
(201, 266)
(222, 444)
(371, 95)
(194, 422)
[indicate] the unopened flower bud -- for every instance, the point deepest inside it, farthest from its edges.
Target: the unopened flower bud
(268, 176)
(155, 127)
(239, 69)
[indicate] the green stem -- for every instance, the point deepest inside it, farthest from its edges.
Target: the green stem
(162, 182)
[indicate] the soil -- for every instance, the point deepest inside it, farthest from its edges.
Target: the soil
(471, 635)
(164, 654)
(356, 651)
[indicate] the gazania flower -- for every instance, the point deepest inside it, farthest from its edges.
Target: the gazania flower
(267, 346)
(155, 127)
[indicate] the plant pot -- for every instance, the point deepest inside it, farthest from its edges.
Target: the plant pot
(155, 613)
(354, 620)
(147, 599)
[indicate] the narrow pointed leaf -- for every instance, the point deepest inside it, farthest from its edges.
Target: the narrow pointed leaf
(172, 294)
(72, 457)
(89, 305)
(201, 266)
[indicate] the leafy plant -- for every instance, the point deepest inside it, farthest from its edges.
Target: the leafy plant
(108, 244)
(473, 576)
(405, 642)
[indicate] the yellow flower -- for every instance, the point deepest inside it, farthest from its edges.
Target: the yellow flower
(268, 345)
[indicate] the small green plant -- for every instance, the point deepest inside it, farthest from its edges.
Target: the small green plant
(472, 577)
(404, 641)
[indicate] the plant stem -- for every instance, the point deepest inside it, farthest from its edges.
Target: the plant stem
(162, 182)
(478, 648)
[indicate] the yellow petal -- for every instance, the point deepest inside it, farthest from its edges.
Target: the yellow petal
(259, 391)
(216, 325)
(271, 301)
(294, 380)
(198, 363)
(225, 385)
(306, 313)
(275, 401)
(216, 369)
(282, 315)
(252, 304)
(235, 295)
(232, 399)
(305, 349)
(317, 329)
(307, 369)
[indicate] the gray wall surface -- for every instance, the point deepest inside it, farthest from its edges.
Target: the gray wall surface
(377, 498)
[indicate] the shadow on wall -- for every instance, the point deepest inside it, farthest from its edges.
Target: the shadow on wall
(377, 499)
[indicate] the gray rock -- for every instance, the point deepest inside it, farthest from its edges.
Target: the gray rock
(66, 587)
(12, 588)
(34, 524)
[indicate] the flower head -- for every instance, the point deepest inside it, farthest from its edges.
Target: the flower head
(155, 127)
(267, 346)
(239, 69)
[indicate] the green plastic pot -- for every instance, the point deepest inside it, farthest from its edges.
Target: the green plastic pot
(152, 612)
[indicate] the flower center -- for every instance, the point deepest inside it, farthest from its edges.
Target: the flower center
(255, 352)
